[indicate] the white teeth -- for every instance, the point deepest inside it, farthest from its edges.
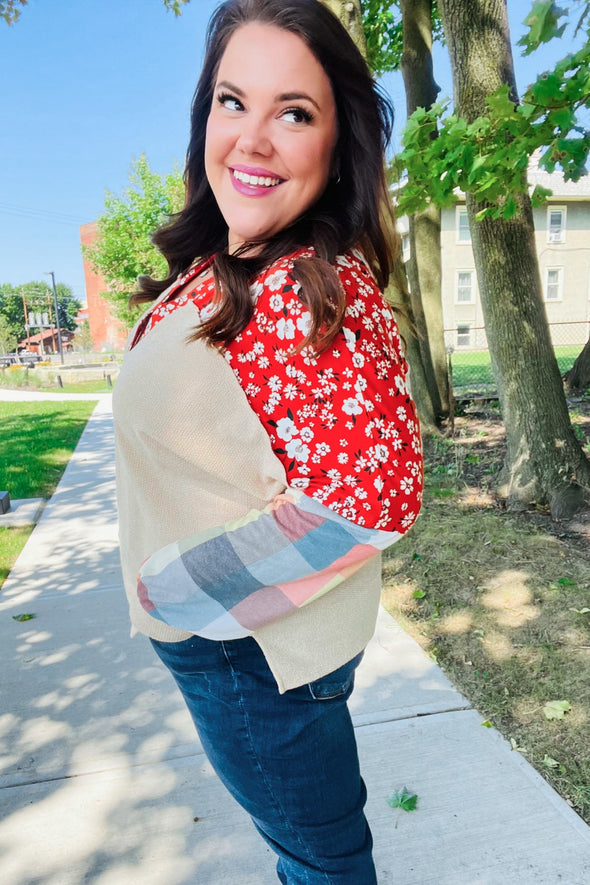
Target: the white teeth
(255, 180)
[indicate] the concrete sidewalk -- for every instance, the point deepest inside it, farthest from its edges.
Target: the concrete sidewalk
(103, 780)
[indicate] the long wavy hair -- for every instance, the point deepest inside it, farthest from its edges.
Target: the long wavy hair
(354, 209)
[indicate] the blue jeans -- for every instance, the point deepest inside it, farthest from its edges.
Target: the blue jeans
(290, 760)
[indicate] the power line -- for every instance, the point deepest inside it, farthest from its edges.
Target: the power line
(41, 214)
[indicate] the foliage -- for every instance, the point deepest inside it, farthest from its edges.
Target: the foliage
(10, 10)
(175, 6)
(382, 24)
(124, 250)
(38, 296)
(82, 340)
(8, 336)
(489, 156)
(403, 799)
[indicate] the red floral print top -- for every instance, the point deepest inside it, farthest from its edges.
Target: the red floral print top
(342, 422)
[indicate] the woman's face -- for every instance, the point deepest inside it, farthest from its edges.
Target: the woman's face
(271, 132)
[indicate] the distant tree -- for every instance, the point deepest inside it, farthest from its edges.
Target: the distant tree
(10, 10)
(82, 340)
(8, 337)
(38, 297)
(124, 249)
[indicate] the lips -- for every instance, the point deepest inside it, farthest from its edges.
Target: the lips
(255, 180)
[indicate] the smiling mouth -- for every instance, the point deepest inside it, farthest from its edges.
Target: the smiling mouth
(255, 180)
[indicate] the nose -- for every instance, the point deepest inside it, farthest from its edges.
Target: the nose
(254, 136)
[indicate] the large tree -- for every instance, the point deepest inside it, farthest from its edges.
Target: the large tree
(544, 460)
(124, 249)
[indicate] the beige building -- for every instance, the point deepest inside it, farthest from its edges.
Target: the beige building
(562, 230)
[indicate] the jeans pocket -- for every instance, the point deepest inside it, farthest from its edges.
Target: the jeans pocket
(336, 684)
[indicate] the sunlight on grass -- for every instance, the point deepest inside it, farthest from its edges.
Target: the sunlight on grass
(36, 442)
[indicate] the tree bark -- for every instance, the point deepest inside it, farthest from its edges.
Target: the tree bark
(544, 462)
(349, 13)
(424, 266)
(577, 380)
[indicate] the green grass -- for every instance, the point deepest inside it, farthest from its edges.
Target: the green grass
(36, 443)
(28, 379)
(12, 541)
(474, 368)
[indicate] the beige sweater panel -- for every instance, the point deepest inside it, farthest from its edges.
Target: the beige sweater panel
(191, 454)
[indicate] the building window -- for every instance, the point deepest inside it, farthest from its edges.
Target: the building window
(463, 232)
(464, 335)
(464, 288)
(553, 284)
(556, 224)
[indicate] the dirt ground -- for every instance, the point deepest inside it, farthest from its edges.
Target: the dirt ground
(501, 600)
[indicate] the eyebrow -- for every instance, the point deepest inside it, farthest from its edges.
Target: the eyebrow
(285, 96)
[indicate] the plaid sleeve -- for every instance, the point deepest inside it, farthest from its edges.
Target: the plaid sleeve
(225, 582)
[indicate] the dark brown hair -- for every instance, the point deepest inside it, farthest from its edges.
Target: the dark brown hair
(354, 209)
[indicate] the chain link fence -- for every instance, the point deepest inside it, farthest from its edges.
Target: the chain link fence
(469, 361)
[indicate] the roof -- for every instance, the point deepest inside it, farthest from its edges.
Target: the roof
(577, 190)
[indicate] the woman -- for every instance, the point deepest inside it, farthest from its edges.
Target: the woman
(267, 448)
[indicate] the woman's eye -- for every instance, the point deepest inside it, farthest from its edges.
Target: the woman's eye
(230, 102)
(297, 115)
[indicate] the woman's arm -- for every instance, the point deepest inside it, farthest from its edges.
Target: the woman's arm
(225, 582)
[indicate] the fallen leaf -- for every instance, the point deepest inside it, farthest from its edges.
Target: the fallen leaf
(549, 762)
(419, 594)
(556, 709)
(580, 611)
(515, 746)
(27, 617)
(403, 799)
(487, 724)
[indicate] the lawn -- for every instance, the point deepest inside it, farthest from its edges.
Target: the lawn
(36, 443)
(474, 369)
(503, 605)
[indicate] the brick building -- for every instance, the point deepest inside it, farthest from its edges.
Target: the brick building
(108, 333)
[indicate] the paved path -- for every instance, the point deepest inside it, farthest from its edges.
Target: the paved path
(103, 780)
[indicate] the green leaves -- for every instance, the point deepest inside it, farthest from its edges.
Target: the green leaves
(403, 799)
(488, 158)
(543, 26)
(556, 709)
(124, 249)
(25, 617)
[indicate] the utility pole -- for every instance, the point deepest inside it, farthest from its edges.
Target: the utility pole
(51, 274)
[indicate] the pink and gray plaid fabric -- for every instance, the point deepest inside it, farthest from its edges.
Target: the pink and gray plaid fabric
(226, 582)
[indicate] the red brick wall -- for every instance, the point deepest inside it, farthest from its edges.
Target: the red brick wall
(107, 332)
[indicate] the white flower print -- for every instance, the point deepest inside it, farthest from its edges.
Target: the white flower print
(358, 360)
(286, 429)
(342, 458)
(275, 280)
(306, 434)
(304, 322)
(350, 339)
(352, 406)
(322, 449)
(378, 483)
(276, 302)
(296, 449)
(407, 484)
(285, 329)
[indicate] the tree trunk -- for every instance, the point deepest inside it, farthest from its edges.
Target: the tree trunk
(424, 266)
(544, 461)
(349, 13)
(577, 380)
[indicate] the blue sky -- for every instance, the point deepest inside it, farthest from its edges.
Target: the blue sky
(86, 87)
